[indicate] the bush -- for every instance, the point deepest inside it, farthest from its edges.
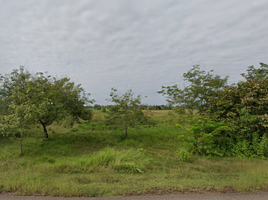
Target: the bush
(243, 107)
(103, 109)
(183, 155)
(211, 138)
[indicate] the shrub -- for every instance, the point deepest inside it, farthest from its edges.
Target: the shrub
(183, 155)
(103, 109)
(211, 138)
(243, 107)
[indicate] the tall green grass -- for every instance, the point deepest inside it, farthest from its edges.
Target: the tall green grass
(90, 159)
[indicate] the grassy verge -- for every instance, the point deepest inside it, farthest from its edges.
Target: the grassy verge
(91, 160)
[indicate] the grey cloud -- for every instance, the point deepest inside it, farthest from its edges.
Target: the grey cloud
(136, 43)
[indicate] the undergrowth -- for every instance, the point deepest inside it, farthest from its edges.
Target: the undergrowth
(89, 159)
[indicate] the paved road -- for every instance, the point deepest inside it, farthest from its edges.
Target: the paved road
(232, 196)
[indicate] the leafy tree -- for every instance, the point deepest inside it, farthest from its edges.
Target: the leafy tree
(244, 107)
(126, 112)
(63, 98)
(21, 111)
(54, 98)
(256, 74)
(183, 98)
(16, 80)
(103, 109)
(97, 107)
(202, 86)
(3, 104)
(3, 107)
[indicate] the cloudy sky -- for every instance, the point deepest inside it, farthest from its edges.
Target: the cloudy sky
(138, 44)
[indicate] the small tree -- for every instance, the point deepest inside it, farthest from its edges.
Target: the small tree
(61, 98)
(97, 107)
(21, 112)
(126, 112)
(103, 109)
(256, 74)
(202, 86)
(185, 99)
(54, 98)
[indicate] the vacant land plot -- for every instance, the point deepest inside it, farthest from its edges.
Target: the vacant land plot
(90, 159)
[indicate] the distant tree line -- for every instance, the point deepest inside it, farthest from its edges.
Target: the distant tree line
(141, 107)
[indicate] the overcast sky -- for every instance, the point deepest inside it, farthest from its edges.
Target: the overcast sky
(138, 44)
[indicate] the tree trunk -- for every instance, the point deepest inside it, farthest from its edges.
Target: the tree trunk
(44, 128)
(45, 131)
(21, 137)
(191, 113)
(126, 133)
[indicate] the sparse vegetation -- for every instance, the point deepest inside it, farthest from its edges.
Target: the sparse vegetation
(126, 112)
(94, 160)
(182, 150)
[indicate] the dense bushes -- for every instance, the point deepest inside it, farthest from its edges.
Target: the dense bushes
(244, 105)
(237, 120)
(237, 125)
(208, 137)
(211, 138)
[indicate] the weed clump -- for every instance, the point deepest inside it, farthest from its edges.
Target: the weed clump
(183, 155)
(108, 159)
(124, 161)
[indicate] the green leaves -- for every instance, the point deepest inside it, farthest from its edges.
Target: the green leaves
(256, 74)
(7, 124)
(43, 98)
(126, 112)
(209, 138)
(201, 86)
(244, 106)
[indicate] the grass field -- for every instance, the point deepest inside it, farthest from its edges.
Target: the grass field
(91, 160)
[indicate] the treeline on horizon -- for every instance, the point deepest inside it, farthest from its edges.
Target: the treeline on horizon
(142, 107)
